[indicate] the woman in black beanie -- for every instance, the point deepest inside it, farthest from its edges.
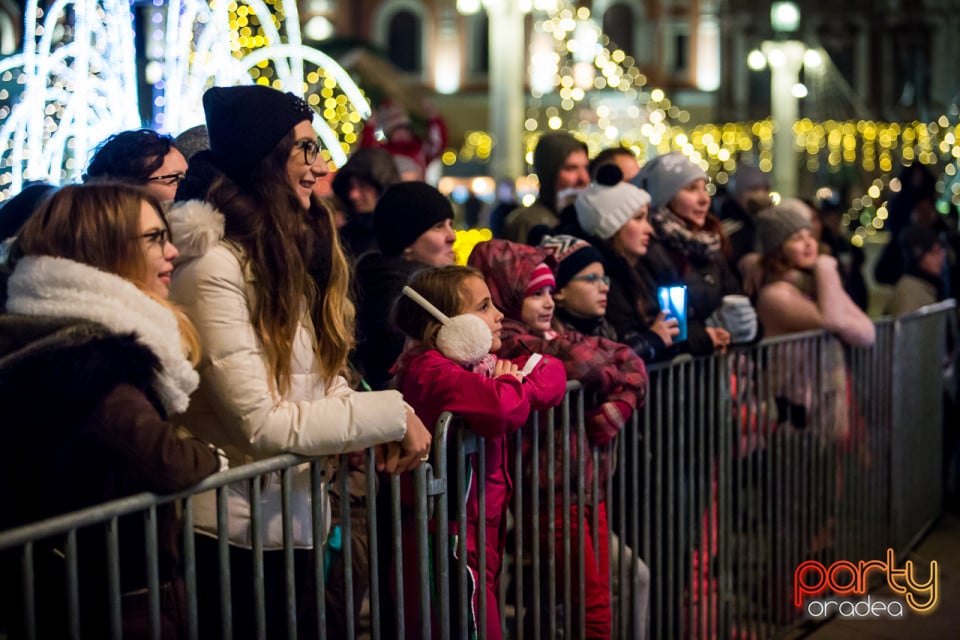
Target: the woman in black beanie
(265, 281)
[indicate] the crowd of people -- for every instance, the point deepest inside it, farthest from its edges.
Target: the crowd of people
(198, 305)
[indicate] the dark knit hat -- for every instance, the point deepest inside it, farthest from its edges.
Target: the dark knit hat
(17, 210)
(748, 177)
(192, 141)
(244, 123)
(915, 242)
(571, 256)
(777, 223)
(404, 212)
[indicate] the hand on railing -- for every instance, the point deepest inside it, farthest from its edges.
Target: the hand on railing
(720, 338)
(409, 453)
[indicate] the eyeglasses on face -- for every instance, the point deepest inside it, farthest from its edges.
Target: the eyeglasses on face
(170, 179)
(593, 278)
(159, 237)
(310, 148)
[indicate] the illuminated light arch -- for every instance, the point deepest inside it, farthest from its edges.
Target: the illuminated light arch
(199, 54)
(76, 91)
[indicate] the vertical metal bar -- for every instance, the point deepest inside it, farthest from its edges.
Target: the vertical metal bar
(286, 501)
(582, 453)
(346, 541)
(643, 463)
(223, 552)
(318, 522)
(442, 520)
(551, 520)
(28, 580)
(461, 553)
(536, 488)
(153, 577)
(423, 552)
(683, 615)
(256, 531)
(663, 591)
(373, 538)
(482, 534)
(518, 511)
(113, 578)
(703, 468)
(626, 524)
(567, 564)
(190, 570)
(398, 553)
(73, 587)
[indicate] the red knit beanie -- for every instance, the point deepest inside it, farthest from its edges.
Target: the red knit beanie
(541, 277)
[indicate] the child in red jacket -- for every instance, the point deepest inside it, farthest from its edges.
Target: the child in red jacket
(614, 380)
(491, 395)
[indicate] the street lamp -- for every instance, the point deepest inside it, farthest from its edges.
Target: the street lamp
(507, 89)
(785, 57)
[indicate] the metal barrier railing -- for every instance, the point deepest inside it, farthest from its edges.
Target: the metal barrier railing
(738, 468)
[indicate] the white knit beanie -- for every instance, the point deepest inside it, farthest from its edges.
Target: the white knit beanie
(607, 204)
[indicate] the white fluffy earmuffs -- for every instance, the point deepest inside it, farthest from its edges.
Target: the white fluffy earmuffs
(464, 338)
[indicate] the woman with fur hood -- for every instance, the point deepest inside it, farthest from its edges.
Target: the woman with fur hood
(265, 281)
(613, 377)
(93, 359)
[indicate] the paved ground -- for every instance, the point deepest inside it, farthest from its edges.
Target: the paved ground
(941, 544)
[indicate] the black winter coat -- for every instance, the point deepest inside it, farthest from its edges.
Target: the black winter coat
(82, 425)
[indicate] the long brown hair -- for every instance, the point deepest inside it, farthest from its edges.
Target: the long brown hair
(296, 259)
(98, 224)
(445, 288)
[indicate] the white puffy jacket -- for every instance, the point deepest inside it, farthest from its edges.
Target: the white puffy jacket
(237, 409)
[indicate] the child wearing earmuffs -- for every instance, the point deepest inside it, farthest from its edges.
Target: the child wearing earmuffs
(493, 396)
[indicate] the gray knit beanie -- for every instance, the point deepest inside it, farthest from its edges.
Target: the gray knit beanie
(607, 204)
(777, 223)
(665, 175)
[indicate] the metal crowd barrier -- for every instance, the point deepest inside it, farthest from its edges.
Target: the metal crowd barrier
(738, 468)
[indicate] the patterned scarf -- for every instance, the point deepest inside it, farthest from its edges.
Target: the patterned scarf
(675, 234)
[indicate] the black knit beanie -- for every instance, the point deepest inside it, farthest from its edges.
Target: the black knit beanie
(404, 212)
(244, 123)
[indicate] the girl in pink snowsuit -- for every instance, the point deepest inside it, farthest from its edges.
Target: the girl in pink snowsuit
(491, 395)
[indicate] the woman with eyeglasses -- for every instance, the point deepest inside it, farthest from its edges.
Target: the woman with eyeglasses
(615, 215)
(141, 156)
(93, 360)
(264, 279)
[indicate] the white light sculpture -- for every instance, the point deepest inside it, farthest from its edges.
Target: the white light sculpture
(78, 90)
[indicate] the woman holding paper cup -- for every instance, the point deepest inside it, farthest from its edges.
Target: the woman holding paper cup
(689, 248)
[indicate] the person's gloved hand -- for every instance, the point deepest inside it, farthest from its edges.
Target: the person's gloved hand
(606, 421)
(739, 320)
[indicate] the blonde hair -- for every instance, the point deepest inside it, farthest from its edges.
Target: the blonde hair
(98, 224)
(445, 288)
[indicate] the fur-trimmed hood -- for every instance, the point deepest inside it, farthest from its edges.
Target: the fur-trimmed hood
(196, 227)
(61, 288)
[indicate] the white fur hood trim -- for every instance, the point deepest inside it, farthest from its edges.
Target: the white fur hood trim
(196, 227)
(46, 286)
